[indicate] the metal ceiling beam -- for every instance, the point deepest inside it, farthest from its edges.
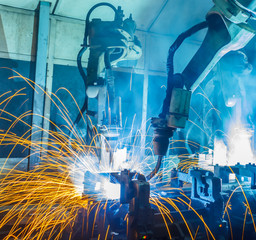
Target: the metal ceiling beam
(158, 15)
(40, 82)
(56, 6)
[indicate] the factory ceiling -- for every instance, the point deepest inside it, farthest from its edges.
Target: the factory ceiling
(167, 17)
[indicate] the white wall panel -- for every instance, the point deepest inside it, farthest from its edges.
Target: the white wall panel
(69, 37)
(25, 4)
(16, 34)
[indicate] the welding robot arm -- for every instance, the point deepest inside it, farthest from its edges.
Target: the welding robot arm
(228, 30)
(108, 42)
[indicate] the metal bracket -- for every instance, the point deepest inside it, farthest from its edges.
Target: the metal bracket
(248, 170)
(205, 186)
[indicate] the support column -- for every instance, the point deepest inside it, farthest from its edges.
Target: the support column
(40, 80)
(49, 78)
(145, 97)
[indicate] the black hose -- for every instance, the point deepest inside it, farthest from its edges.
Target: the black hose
(179, 41)
(156, 169)
(170, 66)
(84, 76)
